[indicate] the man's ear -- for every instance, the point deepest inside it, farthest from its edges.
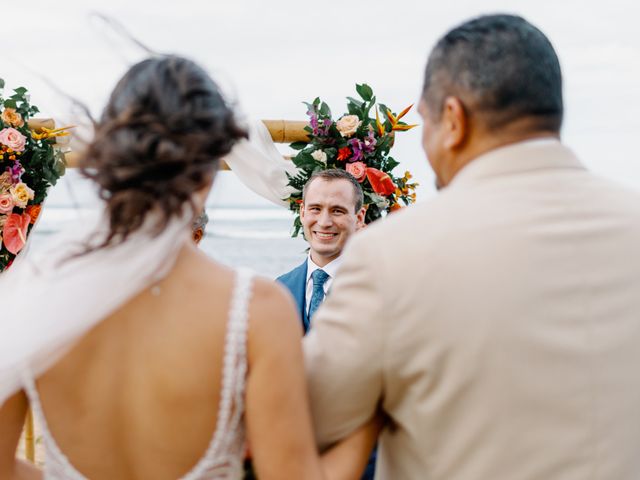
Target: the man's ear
(360, 216)
(301, 210)
(456, 123)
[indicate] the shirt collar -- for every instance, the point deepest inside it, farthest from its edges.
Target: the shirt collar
(330, 268)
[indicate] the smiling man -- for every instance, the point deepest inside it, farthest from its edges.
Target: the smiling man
(331, 212)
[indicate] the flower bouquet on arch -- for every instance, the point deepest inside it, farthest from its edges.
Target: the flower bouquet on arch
(359, 144)
(29, 165)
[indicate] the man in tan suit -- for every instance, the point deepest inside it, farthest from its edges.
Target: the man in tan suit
(498, 325)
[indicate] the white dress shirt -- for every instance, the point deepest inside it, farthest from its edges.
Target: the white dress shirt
(330, 269)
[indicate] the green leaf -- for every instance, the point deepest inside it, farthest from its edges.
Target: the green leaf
(10, 103)
(1, 83)
(357, 102)
(20, 91)
(354, 110)
(298, 145)
(364, 91)
(325, 110)
(392, 163)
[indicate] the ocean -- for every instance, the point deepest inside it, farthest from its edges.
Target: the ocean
(243, 229)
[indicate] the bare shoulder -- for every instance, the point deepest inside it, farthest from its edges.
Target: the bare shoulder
(271, 309)
(274, 321)
(272, 306)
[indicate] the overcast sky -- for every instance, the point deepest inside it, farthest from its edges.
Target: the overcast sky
(276, 54)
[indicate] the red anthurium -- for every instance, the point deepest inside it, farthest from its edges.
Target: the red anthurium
(15, 232)
(380, 182)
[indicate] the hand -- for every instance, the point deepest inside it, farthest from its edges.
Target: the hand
(348, 458)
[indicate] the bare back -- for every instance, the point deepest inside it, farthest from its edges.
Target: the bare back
(138, 396)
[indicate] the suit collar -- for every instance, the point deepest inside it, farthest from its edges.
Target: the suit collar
(530, 155)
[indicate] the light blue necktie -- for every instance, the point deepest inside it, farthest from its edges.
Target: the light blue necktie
(319, 277)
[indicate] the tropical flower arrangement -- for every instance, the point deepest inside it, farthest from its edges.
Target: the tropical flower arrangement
(29, 165)
(359, 144)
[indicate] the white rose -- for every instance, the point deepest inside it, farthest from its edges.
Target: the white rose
(348, 125)
(319, 156)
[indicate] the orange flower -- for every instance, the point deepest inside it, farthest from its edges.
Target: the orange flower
(395, 125)
(344, 153)
(45, 132)
(379, 125)
(34, 212)
(395, 207)
(12, 118)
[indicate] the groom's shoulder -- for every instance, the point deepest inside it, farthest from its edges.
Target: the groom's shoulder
(293, 274)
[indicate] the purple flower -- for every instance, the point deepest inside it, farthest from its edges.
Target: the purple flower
(370, 142)
(356, 147)
(16, 171)
(326, 125)
(313, 121)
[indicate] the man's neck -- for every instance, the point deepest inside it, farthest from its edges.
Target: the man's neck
(321, 260)
(486, 142)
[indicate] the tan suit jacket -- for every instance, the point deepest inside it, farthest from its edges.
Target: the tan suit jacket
(497, 325)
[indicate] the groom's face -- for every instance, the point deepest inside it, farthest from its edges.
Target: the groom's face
(328, 217)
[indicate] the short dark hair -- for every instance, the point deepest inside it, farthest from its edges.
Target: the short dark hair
(333, 174)
(501, 67)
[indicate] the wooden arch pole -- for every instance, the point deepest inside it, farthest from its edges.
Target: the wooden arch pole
(281, 131)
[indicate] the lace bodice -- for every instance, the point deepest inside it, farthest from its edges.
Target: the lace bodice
(224, 455)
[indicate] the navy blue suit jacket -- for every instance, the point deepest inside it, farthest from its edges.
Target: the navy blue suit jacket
(296, 282)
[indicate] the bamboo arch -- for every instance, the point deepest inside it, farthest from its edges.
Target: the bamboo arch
(281, 131)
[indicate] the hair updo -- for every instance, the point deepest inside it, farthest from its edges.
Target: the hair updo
(159, 140)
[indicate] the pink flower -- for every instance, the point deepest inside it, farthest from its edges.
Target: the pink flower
(13, 139)
(15, 232)
(358, 170)
(6, 203)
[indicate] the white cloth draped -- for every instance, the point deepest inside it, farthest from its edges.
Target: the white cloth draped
(261, 167)
(49, 300)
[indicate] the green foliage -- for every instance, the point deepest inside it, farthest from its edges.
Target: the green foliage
(364, 91)
(38, 166)
(372, 146)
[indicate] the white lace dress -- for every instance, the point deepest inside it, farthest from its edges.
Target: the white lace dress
(224, 456)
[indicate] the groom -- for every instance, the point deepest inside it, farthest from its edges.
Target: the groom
(497, 326)
(331, 211)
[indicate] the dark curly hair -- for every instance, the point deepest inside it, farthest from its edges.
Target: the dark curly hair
(159, 140)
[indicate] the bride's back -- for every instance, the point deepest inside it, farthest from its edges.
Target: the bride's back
(161, 371)
(138, 396)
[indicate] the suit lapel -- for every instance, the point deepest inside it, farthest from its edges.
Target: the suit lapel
(300, 292)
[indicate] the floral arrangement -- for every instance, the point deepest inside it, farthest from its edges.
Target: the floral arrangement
(359, 144)
(29, 165)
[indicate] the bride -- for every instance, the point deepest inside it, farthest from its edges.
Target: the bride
(140, 356)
